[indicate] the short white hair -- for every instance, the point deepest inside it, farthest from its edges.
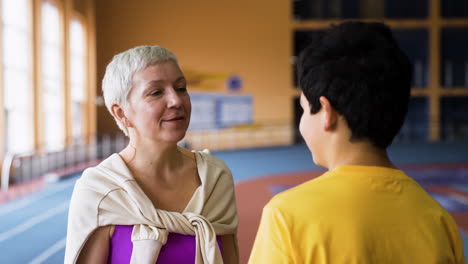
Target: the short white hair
(117, 81)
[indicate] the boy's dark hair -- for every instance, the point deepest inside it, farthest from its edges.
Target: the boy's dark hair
(366, 77)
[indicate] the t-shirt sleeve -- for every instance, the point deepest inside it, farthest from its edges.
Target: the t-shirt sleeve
(272, 243)
(455, 240)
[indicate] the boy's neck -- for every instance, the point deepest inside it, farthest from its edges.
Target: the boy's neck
(360, 153)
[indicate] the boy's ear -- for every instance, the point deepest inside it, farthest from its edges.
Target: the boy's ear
(118, 112)
(330, 116)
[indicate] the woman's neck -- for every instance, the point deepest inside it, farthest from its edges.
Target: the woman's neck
(152, 160)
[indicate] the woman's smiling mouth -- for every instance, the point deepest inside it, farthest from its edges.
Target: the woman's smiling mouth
(174, 120)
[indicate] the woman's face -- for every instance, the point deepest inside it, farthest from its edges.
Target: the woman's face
(159, 106)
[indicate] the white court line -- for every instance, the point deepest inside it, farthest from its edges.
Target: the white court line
(16, 205)
(459, 198)
(33, 221)
(49, 252)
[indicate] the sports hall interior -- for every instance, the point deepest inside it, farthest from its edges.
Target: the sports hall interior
(239, 59)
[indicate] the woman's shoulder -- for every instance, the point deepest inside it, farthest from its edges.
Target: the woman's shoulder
(210, 168)
(210, 160)
(105, 175)
(187, 153)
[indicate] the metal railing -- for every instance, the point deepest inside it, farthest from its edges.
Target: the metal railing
(20, 168)
(242, 136)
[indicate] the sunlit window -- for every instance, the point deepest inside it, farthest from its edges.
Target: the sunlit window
(52, 78)
(17, 82)
(77, 76)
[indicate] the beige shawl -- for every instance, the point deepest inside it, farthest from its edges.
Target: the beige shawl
(108, 195)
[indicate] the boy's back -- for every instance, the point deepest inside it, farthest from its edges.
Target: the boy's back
(356, 84)
(357, 214)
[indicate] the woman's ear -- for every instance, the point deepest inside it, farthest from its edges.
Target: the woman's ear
(330, 116)
(118, 112)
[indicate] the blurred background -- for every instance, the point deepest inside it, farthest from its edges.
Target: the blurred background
(239, 59)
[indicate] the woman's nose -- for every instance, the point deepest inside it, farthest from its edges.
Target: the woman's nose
(173, 99)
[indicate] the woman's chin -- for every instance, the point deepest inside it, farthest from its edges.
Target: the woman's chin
(175, 137)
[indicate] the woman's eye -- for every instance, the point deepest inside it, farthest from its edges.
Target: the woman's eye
(182, 89)
(156, 92)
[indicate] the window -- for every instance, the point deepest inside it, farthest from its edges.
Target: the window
(52, 100)
(77, 76)
(17, 77)
(454, 55)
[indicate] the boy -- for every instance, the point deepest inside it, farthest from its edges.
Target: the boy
(355, 83)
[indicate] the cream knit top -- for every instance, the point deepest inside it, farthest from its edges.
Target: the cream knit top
(108, 195)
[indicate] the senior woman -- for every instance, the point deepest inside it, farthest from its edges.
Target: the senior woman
(154, 202)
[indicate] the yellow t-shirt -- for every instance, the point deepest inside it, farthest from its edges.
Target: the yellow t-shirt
(357, 214)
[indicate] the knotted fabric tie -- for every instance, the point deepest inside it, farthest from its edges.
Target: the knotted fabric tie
(148, 240)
